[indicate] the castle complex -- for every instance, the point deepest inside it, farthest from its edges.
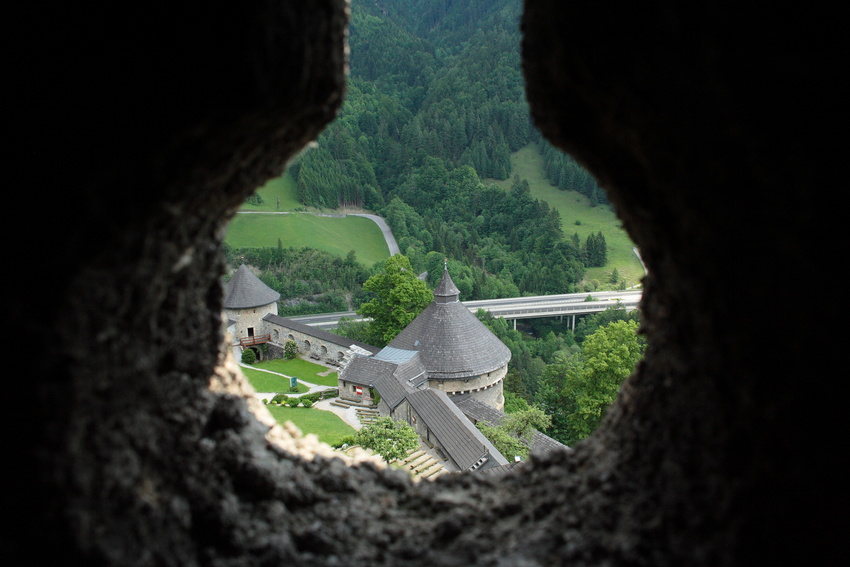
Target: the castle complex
(441, 374)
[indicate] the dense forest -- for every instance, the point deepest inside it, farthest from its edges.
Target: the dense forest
(435, 106)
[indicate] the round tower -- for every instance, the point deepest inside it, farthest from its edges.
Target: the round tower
(246, 301)
(461, 355)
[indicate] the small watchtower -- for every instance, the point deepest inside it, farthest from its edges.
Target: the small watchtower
(246, 301)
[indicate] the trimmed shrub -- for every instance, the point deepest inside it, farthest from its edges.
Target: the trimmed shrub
(249, 356)
(306, 403)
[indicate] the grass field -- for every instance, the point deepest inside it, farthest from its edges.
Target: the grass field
(265, 382)
(339, 235)
(327, 426)
(301, 369)
(577, 216)
(278, 195)
(336, 235)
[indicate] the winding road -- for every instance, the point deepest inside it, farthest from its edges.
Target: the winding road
(385, 229)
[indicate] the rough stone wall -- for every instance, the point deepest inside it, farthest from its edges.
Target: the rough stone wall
(488, 387)
(713, 129)
(246, 318)
(332, 352)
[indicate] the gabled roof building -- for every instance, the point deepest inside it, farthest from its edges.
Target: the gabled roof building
(396, 379)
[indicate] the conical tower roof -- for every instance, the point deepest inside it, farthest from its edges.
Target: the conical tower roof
(245, 291)
(452, 342)
(446, 291)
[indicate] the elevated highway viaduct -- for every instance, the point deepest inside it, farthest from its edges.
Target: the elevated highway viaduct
(513, 308)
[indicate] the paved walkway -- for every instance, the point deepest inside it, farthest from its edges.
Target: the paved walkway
(348, 415)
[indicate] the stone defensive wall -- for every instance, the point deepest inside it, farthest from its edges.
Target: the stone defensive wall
(313, 342)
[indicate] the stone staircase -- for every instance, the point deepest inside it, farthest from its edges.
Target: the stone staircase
(347, 403)
(367, 415)
(418, 463)
(421, 465)
(365, 412)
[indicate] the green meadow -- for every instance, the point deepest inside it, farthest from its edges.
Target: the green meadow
(293, 225)
(335, 235)
(578, 217)
(278, 194)
(339, 235)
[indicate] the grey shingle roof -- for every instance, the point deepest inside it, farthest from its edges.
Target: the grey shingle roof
(477, 410)
(409, 370)
(453, 431)
(245, 290)
(446, 291)
(452, 341)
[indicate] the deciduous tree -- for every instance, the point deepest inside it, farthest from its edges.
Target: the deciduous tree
(398, 296)
(389, 438)
(610, 355)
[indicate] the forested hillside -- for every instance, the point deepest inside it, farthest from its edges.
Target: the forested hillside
(435, 107)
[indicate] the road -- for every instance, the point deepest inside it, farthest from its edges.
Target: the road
(385, 229)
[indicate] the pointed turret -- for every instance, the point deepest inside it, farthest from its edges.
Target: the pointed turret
(453, 343)
(446, 291)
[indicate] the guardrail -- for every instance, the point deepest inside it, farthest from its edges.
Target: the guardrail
(563, 309)
(546, 306)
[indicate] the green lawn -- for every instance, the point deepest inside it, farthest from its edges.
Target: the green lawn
(577, 216)
(336, 235)
(265, 382)
(301, 369)
(325, 424)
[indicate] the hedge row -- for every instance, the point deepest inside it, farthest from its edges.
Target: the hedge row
(307, 400)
